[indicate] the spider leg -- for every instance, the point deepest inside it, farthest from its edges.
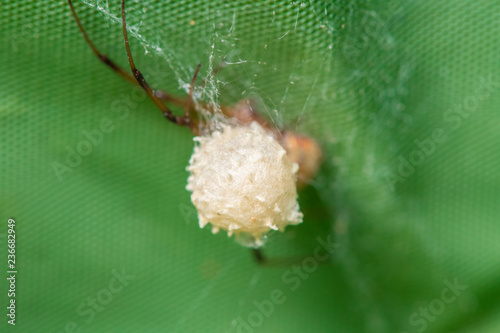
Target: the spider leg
(262, 260)
(258, 256)
(132, 78)
(189, 103)
(184, 121)
(99, 55)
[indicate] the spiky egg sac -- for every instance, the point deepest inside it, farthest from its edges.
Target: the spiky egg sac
(242, 181)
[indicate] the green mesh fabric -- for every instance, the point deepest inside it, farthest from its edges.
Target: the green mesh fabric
(402, 95)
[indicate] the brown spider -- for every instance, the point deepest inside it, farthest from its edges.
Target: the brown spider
(300, 149)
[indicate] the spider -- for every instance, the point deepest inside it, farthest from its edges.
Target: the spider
(284, 160)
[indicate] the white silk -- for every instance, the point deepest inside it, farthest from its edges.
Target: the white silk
(242, 181)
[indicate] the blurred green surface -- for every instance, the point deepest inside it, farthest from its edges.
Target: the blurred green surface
(365, 78)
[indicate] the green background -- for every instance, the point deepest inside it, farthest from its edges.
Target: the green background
(364, 78)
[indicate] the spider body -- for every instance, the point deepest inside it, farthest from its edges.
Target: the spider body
(283, 160)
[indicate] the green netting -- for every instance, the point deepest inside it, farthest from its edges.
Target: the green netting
(403, 96)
